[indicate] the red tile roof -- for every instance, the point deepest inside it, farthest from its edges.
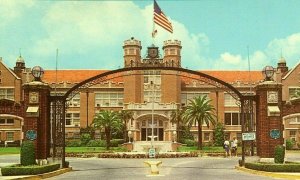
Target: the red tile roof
(76, 76)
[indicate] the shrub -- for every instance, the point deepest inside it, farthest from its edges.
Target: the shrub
(28, 170)
(274, 167)
(289, 144)
(27, 154)
(85, 138)
(73, 143)
(279, 154)
(96, 143)
(115, 142)
(189, 142)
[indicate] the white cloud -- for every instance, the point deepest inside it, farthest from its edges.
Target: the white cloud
(13, 9)
(231, 59)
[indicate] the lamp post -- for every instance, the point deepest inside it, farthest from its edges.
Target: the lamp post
(152, 115)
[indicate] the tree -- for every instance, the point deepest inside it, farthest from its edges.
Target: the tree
(199, 111)
(176, 117)
(219, 134)
(108, 121)
(125, 116)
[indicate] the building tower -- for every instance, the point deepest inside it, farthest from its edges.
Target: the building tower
(171, 87)
(133, 82)
(20, 66)
(282, 69)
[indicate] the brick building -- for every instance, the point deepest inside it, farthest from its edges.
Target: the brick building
(146, 93)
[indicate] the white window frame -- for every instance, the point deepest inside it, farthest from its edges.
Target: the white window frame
(232, 112)
(294, 120)
(6, 121)
(75, 101)
(294, 88)
(4, 93)
(152, 92)
(73, 119)
(293, 136)
(186, 96)
(229, 101)
(109, 99)
(12, 138)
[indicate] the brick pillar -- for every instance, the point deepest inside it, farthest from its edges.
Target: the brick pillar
(36, 98)
(269, 119)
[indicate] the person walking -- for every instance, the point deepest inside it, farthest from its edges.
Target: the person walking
(227, 148)
(234, 147)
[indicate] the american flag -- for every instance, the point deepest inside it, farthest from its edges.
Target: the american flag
(161, 19)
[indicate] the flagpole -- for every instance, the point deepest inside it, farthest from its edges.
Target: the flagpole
(153, 25)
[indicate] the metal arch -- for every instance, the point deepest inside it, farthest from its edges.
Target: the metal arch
(103, 75)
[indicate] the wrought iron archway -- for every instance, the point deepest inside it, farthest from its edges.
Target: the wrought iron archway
(59, 102)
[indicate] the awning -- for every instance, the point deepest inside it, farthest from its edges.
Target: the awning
(273, 109)
(32, 109)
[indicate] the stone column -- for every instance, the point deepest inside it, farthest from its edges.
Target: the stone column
(37, 118)
(269, 118)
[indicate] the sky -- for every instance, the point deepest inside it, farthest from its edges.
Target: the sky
(215, 34)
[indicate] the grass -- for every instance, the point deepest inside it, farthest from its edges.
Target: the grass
(204, 149)
(9, 150)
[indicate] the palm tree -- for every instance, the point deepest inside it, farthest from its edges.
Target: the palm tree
(199, 110)
(108, 121)
(125, 116)
(176, 117)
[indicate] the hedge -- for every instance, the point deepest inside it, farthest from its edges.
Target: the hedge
(290, 167)
(15, 170)
(27, 153)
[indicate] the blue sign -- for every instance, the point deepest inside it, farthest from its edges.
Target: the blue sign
(31, 135)
(275, 133)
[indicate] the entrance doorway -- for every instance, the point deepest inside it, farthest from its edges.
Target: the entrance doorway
(146, 130)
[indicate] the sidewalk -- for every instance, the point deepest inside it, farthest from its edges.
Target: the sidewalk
(270, 174)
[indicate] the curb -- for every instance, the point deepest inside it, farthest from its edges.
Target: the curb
(45, 175)
(270, 174)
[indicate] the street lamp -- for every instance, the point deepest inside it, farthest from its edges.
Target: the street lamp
(37, 73)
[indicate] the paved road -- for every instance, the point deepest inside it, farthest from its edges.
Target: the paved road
(180, 168)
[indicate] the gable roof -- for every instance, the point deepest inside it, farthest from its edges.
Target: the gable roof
(9, 69)
(290, 72)
(76, 76)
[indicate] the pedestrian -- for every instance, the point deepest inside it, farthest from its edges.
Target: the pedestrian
(234, 144)
(227, 148)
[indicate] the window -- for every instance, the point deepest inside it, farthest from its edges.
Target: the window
(72, 119)
(206, 136)
(295, 120)
(292, 92)
(7, 121)
(7, 93)
(108, 99)
(9, 136)
(229, 101)
(186, 96)
(75, 101)
(232, 118)
(293, 135)
(152, 86)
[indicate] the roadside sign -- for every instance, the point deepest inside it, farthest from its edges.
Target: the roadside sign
(249, 136)
(151, 153)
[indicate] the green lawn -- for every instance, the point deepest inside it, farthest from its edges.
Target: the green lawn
(9, 150)
(204, 149)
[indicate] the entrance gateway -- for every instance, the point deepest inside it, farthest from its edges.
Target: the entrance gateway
(170, 71)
